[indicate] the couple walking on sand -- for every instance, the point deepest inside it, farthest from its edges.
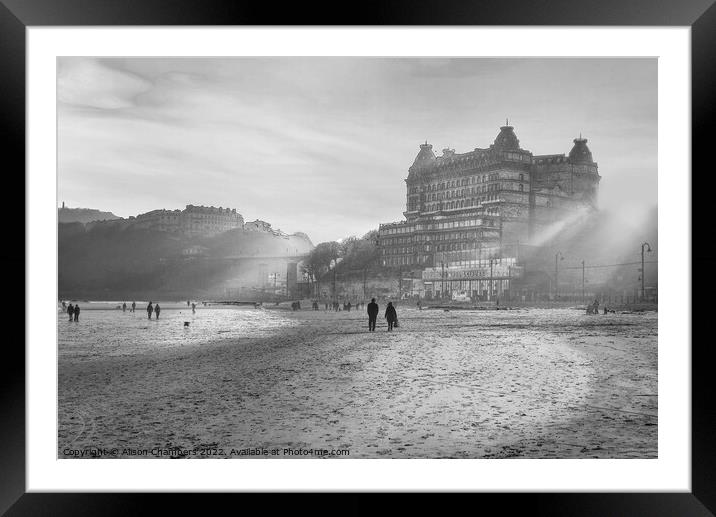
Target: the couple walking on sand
(74, 312)
(156, 309)
(390, 315)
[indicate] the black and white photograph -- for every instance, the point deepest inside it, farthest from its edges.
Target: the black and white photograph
(357, 257)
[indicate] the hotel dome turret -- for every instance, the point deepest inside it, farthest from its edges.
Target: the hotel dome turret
(506, 140)
(580, 153)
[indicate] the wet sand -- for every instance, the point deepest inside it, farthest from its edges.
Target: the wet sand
(531, 383)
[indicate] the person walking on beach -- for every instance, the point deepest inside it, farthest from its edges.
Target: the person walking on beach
(77, 312)
(390, 315)
(373, 311)
(157, 310)
(124, 306)
(150, 310)
(71, 311)
(134, 306)
(193, 308)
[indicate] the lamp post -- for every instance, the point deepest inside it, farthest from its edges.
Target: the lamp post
(583, 281)
(557, 257)
(492, 260)
(335, 266)
(364, 275)
(648, 249)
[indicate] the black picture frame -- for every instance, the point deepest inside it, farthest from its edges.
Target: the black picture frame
(700, 15)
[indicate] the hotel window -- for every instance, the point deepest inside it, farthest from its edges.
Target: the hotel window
(521, 188)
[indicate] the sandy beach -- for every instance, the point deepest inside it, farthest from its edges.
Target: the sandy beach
(528, 383)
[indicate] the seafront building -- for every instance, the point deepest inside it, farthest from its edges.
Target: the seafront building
(467, 214)
(194, 220)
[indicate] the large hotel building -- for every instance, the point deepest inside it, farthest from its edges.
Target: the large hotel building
(467, 214)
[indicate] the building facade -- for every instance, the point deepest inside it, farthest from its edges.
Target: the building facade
(209, 220)
(162, 220)
(193, 220)
(464, 211)
(258, 226)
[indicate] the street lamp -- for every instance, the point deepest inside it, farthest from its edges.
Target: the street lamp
(557, 258)
(492, 261)
(648, 249)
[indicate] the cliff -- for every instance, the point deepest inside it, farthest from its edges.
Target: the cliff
(111, 262)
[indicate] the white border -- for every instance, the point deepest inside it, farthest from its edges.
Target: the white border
(671, 471)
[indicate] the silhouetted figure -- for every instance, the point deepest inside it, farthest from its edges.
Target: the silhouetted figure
(157, 310)
(605, 309)
(348, 306)
(150, 310)
(193, 308)
(77, 312)
(134, 306)
(373, 311)
(64, 306)
(187, 303)
(596, 306)
(420, 306)
(390, 315)
(124, 306)
(71, 311)
(326, 306)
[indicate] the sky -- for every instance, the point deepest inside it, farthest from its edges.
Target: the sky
(322, 145)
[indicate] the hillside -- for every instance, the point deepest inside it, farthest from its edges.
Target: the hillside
(83, 215)
(109, 262)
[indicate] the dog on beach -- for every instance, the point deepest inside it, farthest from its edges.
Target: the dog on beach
(186, 323)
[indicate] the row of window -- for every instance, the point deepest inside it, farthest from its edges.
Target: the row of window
(434, 187)
(397, 229)
(451, 194)
(400, 261)
(452, 246)
(447, 236)
(454, 205)
(464, 182)
(438, 225)
(398, 251)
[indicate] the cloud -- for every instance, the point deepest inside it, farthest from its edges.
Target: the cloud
(322, 145)
(88, 83)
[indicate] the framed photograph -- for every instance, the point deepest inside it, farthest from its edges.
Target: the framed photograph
(430, 251)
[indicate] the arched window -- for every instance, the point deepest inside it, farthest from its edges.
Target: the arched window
(522, 177)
